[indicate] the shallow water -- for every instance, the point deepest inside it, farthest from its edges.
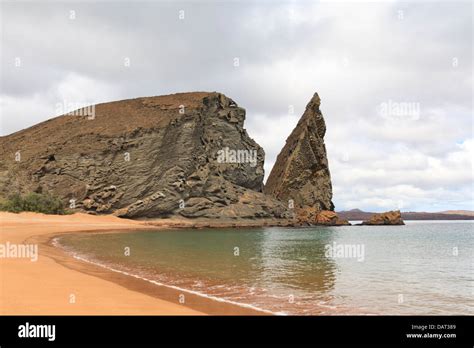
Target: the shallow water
(425, 267)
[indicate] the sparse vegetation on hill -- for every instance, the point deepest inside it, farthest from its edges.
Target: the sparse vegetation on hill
(36, 202)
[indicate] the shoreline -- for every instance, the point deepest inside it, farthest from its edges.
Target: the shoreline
(166, 289)
(199, 302)
(45, 287)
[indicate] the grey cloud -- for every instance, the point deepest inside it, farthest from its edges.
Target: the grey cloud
(356, 56)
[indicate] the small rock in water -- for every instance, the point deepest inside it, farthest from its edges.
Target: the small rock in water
(393, 217)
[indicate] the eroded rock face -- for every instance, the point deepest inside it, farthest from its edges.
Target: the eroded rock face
(185, 154)
(388, 218)
(301, 171)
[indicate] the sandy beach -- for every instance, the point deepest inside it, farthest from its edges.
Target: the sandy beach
(58, 284)
(46, 286)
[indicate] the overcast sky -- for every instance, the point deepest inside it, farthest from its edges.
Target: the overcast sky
(395, 79)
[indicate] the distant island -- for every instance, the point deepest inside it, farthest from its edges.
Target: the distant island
(357, 214)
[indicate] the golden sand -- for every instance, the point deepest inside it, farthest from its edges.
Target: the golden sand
(47, 287)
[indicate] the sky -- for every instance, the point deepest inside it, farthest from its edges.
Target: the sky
(394, 78)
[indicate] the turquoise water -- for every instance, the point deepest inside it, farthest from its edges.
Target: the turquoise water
(420, 268)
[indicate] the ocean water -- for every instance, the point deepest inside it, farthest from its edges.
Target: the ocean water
(425, 267)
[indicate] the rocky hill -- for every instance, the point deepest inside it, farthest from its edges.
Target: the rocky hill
(185, 154)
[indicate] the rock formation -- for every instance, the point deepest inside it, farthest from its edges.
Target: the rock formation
(301, 172)
(388, 218)
(313, 216)
(301, 175)
(185, 154)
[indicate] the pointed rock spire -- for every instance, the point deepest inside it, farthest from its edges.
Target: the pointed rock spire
(301, 172)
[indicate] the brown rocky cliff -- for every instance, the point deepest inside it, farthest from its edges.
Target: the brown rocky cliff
(301, 171)
(145, 157)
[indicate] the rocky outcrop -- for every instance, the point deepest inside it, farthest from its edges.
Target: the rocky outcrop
(301, 175)
(185, 154)
(301, 172)
(330, 218)
(313, 216)
(388, 218)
